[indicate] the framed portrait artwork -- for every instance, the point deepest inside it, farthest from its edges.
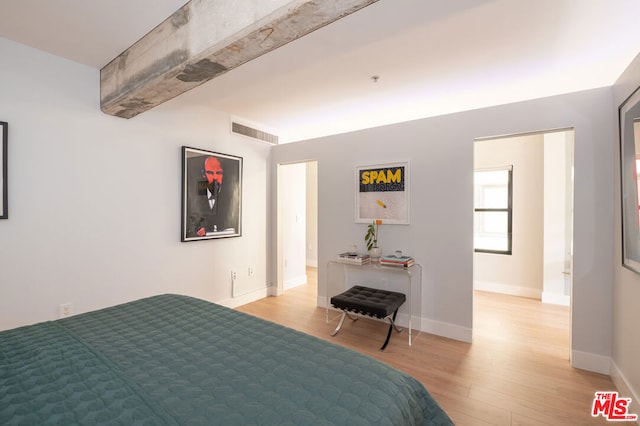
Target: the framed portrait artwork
(382, 192)
(4, 198)
(211, 195)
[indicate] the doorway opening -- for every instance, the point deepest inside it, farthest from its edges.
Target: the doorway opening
(297, 238)
(539, 264)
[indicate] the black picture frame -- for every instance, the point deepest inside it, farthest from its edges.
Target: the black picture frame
(4, 197)
(629, 121)
(211, 195)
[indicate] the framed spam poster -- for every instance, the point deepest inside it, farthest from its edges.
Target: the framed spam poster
(382, 192)
(211, 195)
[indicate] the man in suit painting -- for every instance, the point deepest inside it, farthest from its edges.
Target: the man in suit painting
(210, 208)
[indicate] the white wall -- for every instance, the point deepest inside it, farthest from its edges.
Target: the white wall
(541, 202)
(558, 197)
(520, 273)
(626, 290)
(440, 234)
(293, 219)
(94, 200)
(312, 214)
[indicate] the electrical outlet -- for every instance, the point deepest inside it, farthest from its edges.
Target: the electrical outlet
(65, 310)
(251, 271)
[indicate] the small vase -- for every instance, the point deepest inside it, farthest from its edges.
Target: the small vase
(375, 253)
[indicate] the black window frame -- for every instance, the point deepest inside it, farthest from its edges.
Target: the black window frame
(508, 210)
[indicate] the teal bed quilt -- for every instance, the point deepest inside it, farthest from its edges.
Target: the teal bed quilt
(177, 360)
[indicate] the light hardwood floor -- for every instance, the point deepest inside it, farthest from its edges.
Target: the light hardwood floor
(516, 372)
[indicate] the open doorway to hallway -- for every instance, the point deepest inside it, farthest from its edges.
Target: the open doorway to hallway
(534, 214)
(297, 225)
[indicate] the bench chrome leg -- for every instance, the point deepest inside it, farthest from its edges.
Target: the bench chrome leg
(395, 327)
(353, 318)
(392, 326)
(344, 314)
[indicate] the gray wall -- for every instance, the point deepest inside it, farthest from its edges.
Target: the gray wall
(440, 151)
(626, 315)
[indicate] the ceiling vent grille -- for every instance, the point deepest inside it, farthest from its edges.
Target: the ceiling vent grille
(243, 130)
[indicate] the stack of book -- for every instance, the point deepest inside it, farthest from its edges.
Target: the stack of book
(354, 258)
(402, 261)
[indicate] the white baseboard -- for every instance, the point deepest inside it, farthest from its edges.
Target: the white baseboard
(295, 282)
(243, 299)
(512, 290)
(591, 362)
(312, 263)
(625, 389)
(555, 299)
(445, 329)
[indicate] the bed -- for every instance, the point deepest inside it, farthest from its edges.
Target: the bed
(175, 360)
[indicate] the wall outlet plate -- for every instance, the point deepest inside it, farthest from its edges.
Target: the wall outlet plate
(64, 310)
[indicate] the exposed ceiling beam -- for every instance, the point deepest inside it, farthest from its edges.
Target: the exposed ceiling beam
(204, 39)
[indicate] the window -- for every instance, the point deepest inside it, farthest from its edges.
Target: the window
(493, 210)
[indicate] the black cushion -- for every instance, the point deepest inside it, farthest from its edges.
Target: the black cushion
(369, 301)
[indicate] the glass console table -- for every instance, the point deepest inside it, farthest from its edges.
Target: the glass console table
(343, 276)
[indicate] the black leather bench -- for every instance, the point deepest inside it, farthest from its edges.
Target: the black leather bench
(376, 303)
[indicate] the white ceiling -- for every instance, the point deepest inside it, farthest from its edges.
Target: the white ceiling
(432, 57)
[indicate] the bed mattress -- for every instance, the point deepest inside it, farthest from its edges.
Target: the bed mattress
(177, 360)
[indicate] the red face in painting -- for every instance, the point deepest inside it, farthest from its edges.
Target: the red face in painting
(213, 170)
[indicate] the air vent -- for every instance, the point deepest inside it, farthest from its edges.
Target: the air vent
(241, 129)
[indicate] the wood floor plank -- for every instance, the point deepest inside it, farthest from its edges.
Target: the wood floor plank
(516, 372)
